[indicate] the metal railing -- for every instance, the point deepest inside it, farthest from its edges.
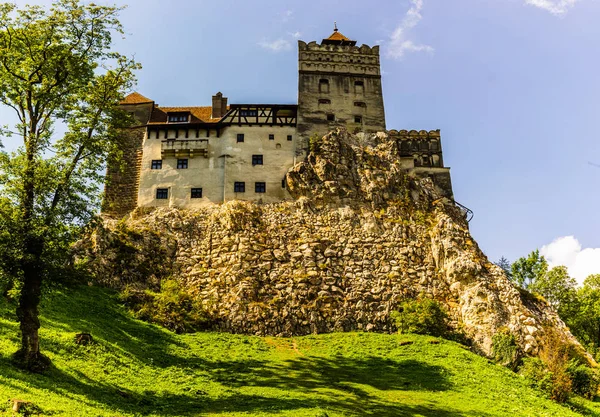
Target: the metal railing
(467, 212)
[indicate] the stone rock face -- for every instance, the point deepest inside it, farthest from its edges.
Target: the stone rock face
(359, 237)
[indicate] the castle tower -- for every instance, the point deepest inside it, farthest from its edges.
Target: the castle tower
(339, 83)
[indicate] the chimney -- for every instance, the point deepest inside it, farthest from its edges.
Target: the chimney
(219, 105)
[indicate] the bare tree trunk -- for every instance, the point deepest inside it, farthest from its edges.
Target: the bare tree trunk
(29, 356)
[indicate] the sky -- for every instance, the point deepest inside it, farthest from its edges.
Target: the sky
(512, 84)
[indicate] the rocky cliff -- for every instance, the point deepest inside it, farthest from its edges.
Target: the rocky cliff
(359, 237)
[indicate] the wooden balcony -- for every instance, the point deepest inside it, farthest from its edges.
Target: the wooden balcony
(184, 148)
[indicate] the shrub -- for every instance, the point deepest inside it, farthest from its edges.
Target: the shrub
(537, 374)
(171, 307)
(421, 316)
(585, 380)
(504, 348)
(555, 355)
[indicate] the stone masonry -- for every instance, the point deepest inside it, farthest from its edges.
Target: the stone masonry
(360, 236)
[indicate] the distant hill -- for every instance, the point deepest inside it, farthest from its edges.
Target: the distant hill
(135, 368)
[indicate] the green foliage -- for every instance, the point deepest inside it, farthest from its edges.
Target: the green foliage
(525, 271)
(421, 316)
(172, 307)
(140, 369)
(585, 380)
(557, 287)
(504, 348)
(56, 66)
(537, 374)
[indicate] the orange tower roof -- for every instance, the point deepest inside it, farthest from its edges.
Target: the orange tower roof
(337, 38)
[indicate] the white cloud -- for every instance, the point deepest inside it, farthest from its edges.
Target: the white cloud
(567, 251)
(278, 45)
(296, 34)
(399, 44)
(556, 7)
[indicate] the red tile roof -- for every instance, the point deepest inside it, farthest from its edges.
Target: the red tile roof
(199, 114)
(135, 98)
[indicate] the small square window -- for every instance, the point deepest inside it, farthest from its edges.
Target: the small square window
(239, 187)
(240, 137)
(156, 164)
(182, 164)
(330, 117)
(260, 187)
(196, 193)
(289, 137)
(257, 159)
(271, 137)
(360, 104)
(162, 193)
(357, 119)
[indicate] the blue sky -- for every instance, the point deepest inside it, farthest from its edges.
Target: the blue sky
(512, 84)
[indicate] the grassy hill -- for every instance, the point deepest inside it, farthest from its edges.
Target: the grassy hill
(135, 368)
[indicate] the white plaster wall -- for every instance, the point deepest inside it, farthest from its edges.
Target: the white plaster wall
(228, 161)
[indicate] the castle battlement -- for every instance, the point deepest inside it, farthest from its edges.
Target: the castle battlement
(188, 157)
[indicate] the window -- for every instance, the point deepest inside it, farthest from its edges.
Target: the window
(196, 193)
(283, 183)
(182, 164)
(357, 119)
(162, 193)
(331, 117)
(156, 164)
(324, 101)
(289, 138)
(359, 87)
(271, 137)
(360, 104)
(239, 187)
(257, 159)
(240, 137)
(178, 117)
(323, 85)
(245, 113)
(260, 187)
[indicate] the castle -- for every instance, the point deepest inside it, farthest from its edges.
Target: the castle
(192, 156)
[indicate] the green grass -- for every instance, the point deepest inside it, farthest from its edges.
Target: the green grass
(135, 368)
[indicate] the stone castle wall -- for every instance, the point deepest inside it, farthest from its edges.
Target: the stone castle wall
(123, 176)
(342, 83)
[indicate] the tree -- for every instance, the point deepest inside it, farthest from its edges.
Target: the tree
(557, 287)
(585, 321)
(525, 271)
(506, 267)
(56, 67)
